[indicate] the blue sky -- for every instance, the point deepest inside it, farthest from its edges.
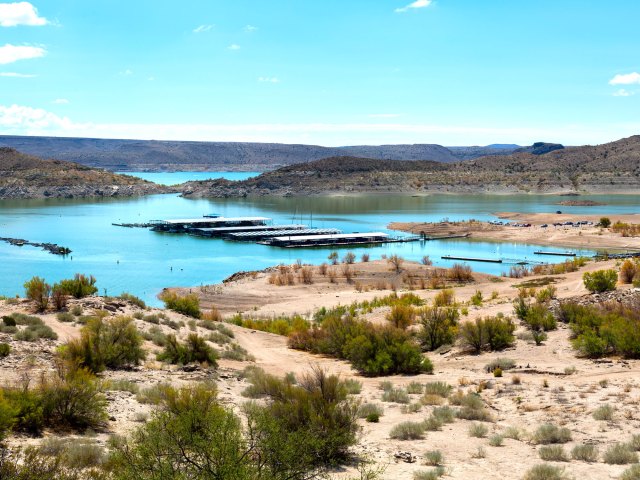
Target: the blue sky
(454, 72)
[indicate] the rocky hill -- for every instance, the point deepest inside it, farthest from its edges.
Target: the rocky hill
(608, 168)
(26, 176)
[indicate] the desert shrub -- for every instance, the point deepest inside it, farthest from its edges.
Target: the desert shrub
(604, 412)
(407, 431)
(605, 222)
(492, 333)
(106, 344)
(438, 326)
(604, 329)
(513, 432)
(396, 262)
(371, 349)
(77, 310)
(585, 453)
(634, 443)
(472, 408)
(434, 458)
(195, 349)
(548, 434)
(367, 409)
(349, 257)
(401, 316)
(476, 299)
(432, 474)
(396, 395)
(79, 286)
(65, 317)
(153, 395)
(5, 350)
(415, 388)
(279, 325)
(545, 471)
(352, 386)
(34, 328)
(75, 453)
(496, 440)
(460, 273)
(628, 271)
(365, 258)
(539, 318)
(539, 337)
(600, 280)
(31, 464)
(411, 408)
(444, 298)
(385, 385)
(478, 430)
(631, 473)
(441, 389)
(619, 454)
(444, 414)
(553, 453)
(123, 385)
(38, 291)
(501, 363)
(186, 304)
(137, 301)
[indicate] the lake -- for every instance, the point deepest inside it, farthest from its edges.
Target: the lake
(175, 178)
(142, 262)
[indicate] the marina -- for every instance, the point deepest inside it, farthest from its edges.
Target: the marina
(558, 254)
(226, 231)
(472, 259)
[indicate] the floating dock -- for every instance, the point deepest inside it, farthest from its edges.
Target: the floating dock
(265, 234)
(370, 238)
(472, 259)
(226, 231)
(184, 225)
(558, 254)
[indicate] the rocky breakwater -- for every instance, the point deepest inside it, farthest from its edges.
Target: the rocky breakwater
(49, 247)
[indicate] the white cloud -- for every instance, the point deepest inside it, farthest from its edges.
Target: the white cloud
(17, 75)
(250, 28)
(61, 101)
(416, 4)
(623, 93)
(12, 53)
(234, 46)
(202, 28)
(625, 79)
(269, 79)
(21, 118)
(384, 115)
(20, 13)
(126, 73)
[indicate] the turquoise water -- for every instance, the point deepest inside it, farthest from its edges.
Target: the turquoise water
(174, 178)
(143, 262)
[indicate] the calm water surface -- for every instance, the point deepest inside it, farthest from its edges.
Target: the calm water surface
(143, 262)
(174, 178)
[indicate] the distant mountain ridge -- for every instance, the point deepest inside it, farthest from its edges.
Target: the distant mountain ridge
(152, 155)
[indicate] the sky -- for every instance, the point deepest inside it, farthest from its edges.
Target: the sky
(331, 72)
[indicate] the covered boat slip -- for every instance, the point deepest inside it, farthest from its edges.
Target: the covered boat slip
(264, 234)
(227, 231)
(336, 239)
(183, 225)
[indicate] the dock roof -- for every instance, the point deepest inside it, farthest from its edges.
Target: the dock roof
(286, 233)
(252, 228)
(179, 221)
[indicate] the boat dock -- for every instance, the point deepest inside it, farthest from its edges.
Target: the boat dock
(265, 234)
(558, 254)
(370, 238)
(226, 231)
(185, 225)
(472, 259)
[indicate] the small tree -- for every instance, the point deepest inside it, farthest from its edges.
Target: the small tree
(59, 297)
(79, 286)
(349, 257)
(396, 262)
(605, 222)
(628, 271)
(600, 280)
(38, 291)
(439, 326)
(333, 258)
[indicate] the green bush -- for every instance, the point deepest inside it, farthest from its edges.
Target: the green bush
(31, 464)
(371, 349)
(605, 222)
(195, 349)
(396, 395)
(438, 326)
(539, 318)
(407, 431)
(367, 409)
(79, 286)
(600, 280)
(5, 350)
(444, 414)
(187, 305)
(478, 430)
(491, 333)
(352, 386)
(549, 434)
(585, 453)
(65, 317)
(442, 389)
(106, 344)
(138, 302)
(414, 388)
(496, 440)
(553, 453)
(38, 291)
(34, 328)
(434, 458)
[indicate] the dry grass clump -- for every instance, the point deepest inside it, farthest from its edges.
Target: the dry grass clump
(434, 458)
(442, 389)
(367, 409)
(620, 454)
(631, 473)
(478, 430)
(444, 414)
(411, 408)
(396, 395)
(496, 440)
(460, 273)
(585, 453)
(549, 433)
(545, 471)
(407, 431)
(553, 453)
(604, 412)
(433, 474)
(415, 388)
